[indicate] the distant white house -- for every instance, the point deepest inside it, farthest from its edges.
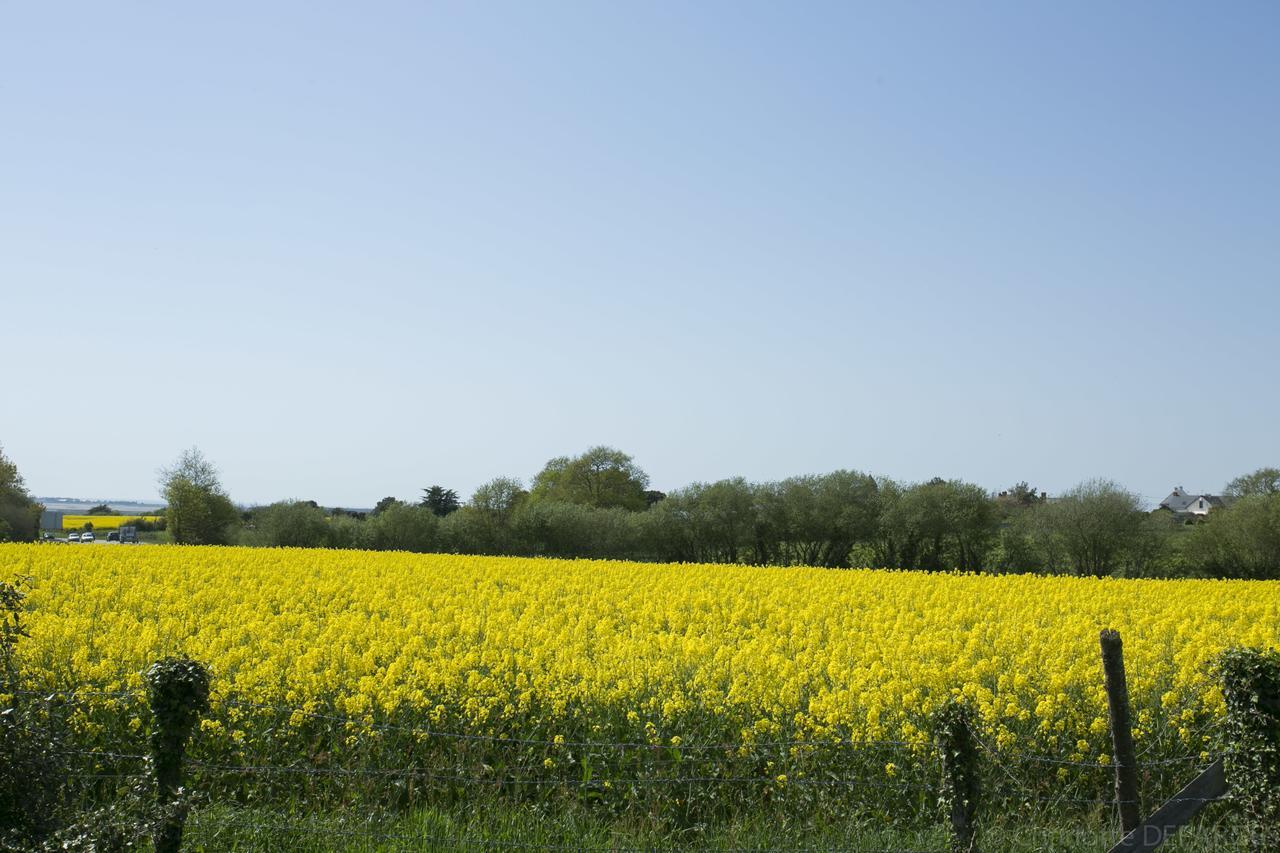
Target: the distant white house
(1190, 505)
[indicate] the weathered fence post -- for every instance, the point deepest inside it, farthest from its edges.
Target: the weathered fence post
(953, 734)
(1126, 763)
(178, 692)
(1251, 687)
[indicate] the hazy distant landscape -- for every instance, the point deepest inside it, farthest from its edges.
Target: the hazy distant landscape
(76, 505)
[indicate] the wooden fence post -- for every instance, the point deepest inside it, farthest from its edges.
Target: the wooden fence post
(953, 734)
(1206, 788)
(1126, 763)
(178, 692)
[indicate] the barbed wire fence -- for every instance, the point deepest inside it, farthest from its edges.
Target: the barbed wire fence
(913, 782)
(663, 777)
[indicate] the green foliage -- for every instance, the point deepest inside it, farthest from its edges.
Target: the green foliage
(488, 823)
(32, 742)
(815, 520)
(554, 529)
(101, 509)
(1094, 529)
(40, 794)
(953, 735)
(33, 772)
(118, 826)
(292, 524)
(1251, 688)
(19, 514)
(837, 520)
(485, 524)
(1015, 550)
(147, 525)
(602, 477)
(347, 531)
(178, 693)
(1241, 540)
(706, 523)
(440, 501)
(1261, 483)
(400, 527)
(938, 525)
(12, 629)
(499, 498)
(385, 504)
(1020, 495)
(198, 510)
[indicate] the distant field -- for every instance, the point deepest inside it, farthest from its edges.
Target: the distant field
(104, 522)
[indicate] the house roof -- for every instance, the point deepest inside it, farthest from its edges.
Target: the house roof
(1180, 499)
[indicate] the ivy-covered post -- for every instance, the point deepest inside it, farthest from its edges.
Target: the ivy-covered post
(178, 692)
(1251, 687)
(953, 735)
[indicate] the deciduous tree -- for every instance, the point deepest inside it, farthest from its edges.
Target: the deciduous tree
(1264, 481)
(198, 510)
(1097, 528)
(19, 514)
(602, 477)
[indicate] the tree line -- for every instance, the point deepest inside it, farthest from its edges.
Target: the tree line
(600, 505)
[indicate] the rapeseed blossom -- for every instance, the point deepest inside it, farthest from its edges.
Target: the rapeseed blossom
(661, 654)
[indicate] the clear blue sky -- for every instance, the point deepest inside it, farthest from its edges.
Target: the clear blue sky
(353, 249)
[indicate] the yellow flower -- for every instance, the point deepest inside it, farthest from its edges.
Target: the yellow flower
(627, 651)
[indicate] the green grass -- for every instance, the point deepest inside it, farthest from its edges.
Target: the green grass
(504, 826)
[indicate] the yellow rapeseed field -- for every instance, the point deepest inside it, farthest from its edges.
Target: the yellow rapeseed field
(546, 647)
(104, 522)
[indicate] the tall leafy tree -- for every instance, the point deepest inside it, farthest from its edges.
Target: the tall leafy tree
(292, 524)
(815, 520)
(198, 509)
(602, 477)
(1264, 481)
(1097, 528)
(1242, 540)
(19, 514)
(498, 498)
(941, 524)
(707, 523)
(386, 504)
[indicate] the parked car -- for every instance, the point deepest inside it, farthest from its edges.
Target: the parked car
(87, 536)
(74, 537)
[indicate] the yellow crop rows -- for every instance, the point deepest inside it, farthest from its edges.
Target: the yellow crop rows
(104, 522)
(540, 647)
